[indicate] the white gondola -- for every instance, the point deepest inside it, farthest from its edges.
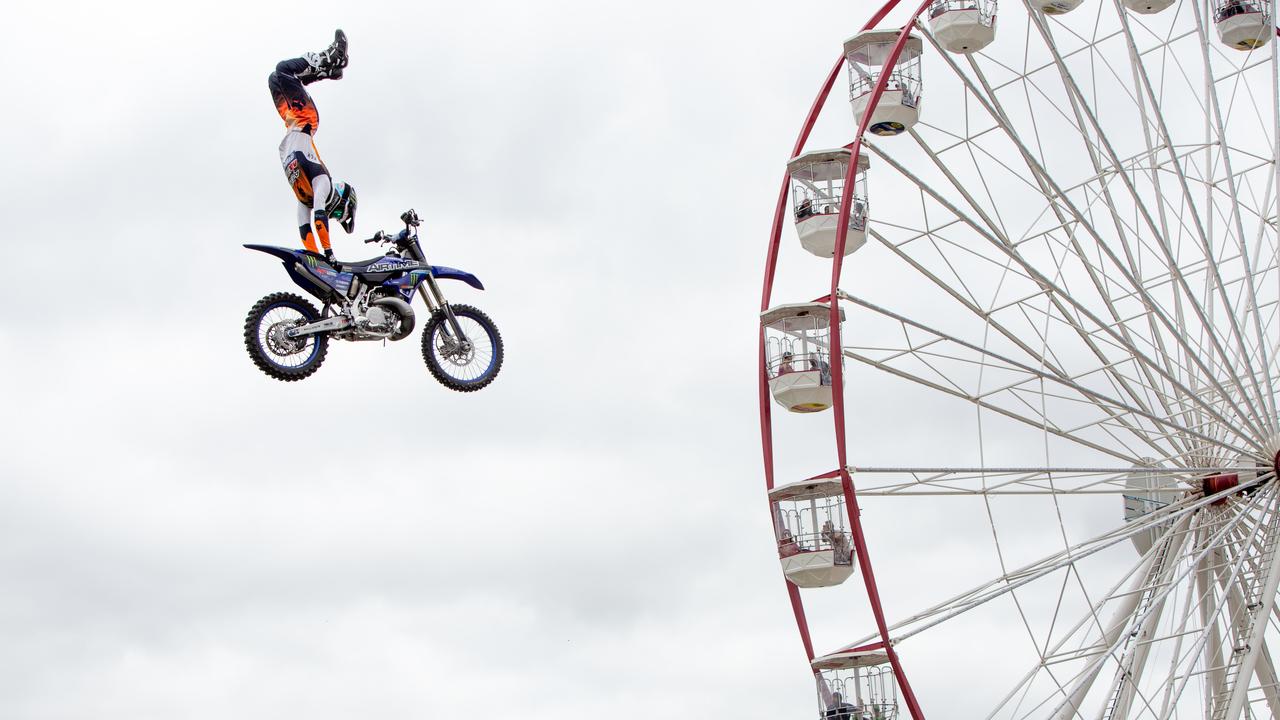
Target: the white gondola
(899, 106)
(797, 356)
(963, 26)
(856, 684)
(817, 187)
(1243, 24)
(1145, 493)
(814, 544)
(1058, 7)
(1147, 7)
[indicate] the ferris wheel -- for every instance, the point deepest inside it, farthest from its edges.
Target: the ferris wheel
(1064, 214)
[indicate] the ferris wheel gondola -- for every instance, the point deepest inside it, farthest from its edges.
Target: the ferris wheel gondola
(1076, 239)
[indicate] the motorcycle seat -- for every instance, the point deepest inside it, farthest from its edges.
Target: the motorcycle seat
(360, 266)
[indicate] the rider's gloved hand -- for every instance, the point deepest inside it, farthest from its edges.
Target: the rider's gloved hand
(328, 255)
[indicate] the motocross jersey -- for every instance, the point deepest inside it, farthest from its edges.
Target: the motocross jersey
(311, 185)
(302, 165)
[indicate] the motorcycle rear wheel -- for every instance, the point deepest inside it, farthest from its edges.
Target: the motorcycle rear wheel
(465, 369)
(275, 354)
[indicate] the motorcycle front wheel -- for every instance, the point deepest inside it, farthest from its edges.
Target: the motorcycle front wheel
(464, 366)
(275, 353)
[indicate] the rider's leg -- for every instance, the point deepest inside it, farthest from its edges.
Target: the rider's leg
(315, 216)
(321, 231)
(304, 228)
(291, 98)
(288, 82)
(322, 187)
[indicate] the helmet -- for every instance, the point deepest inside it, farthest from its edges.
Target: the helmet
(342, 205)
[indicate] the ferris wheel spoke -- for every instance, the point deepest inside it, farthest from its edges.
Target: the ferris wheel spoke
(1137, 612)
(986, 405)
(1128, 638)
(1170, 515)
(1117, 381)
(1059, 655)
(995, 408)
(1125, 417)
(1059, 295)
(1116, 415)
(970, 303)
(1132, 633)
(998, 231)
(1239, 234)
(1215, 615)
(1179, 662)
(1152, 153)
(996, 481)
(1236, 610)
(1080, 104)
(1096, 235)
(1010, 581)
(1225, 683)
(1109, 368)
(1247, 588)
(1095, 645)
(1248, 296)
(1268, 680)
(1170, 401)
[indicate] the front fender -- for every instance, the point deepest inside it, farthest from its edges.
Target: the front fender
(448, 273)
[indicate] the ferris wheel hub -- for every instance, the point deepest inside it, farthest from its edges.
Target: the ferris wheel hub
(1215, 484)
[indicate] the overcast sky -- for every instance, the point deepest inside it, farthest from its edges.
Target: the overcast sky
(183, 537)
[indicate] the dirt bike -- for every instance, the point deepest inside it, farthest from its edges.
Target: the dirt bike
(370, 300)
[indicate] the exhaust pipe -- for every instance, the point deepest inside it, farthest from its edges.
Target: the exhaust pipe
(401, 308)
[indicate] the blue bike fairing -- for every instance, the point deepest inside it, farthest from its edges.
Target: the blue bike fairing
(406, 284)
(448, 273)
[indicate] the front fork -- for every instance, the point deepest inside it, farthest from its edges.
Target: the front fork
(431, 295)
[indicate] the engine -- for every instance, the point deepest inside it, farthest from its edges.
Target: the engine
(380, 320)
(382, 317)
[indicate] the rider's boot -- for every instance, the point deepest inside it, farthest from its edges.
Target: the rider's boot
(337, 50)
(327, 65)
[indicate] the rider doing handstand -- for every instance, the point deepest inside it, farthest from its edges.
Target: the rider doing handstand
(320, 198)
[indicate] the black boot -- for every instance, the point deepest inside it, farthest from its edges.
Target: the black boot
(337, 51)
(326, 65)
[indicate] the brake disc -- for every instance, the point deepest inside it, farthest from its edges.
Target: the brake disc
(282, 344)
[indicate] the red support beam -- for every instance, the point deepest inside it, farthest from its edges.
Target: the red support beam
(837, 374)
(766, 421)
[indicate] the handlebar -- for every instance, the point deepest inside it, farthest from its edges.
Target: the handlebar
(409, 218)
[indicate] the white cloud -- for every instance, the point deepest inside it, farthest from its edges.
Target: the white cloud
(183, 537)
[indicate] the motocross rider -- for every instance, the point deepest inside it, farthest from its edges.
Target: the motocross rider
(320, 197)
